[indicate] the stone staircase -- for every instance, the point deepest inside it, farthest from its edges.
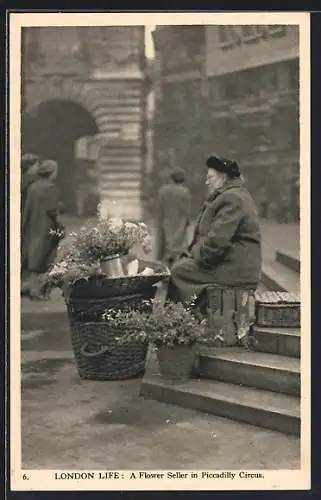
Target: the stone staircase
(283, 273)
(260, 387)
(122, 157)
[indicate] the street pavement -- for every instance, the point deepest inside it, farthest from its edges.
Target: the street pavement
(71, 423)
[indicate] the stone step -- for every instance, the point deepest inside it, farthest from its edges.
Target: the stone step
(120, 158)
(119, 146)
(121, 193)
(265, 409)
(116, 176)
(127, 209)
(121, 171)
(121, 184)
(289, 259)
(122, 106)
(276, 276)
(112, 119)
(271, 372)
(283, 341)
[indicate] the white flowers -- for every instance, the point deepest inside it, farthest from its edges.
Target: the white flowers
(129, 226)
(115, 223)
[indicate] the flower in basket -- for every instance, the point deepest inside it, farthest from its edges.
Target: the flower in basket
(69, 265)
(80, 255)
(172, 329)
(109, 237)
(170, 324)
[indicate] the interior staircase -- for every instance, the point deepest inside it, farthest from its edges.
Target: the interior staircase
(260, 387)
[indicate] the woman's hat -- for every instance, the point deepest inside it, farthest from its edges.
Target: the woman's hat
(28, 160)
(47, 167)
(229, 167)
(178, 174)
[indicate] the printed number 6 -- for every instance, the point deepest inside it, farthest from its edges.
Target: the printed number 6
(24, 477)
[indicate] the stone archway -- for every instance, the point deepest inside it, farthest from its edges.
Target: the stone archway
(87, 94)
(50, 130)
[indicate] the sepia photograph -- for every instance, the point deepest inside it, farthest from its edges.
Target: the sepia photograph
(160, 334)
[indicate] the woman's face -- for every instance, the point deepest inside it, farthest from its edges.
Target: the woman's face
(214, 180)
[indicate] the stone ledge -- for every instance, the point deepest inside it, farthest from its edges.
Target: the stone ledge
(260, 408)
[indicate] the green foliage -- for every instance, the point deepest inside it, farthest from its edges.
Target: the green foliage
(81, 252)
(166, 324)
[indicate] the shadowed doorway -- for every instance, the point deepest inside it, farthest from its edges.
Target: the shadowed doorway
(50, 131)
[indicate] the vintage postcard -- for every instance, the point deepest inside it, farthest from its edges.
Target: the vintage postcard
(160, 257)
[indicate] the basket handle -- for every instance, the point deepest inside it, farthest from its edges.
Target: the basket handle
(102, 350)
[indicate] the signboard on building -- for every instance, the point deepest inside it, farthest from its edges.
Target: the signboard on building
(238, 47)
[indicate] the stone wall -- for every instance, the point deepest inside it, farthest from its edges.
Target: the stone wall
(102, 70)
(251, 114)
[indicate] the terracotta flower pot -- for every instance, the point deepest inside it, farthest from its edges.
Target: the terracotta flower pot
(176, 362)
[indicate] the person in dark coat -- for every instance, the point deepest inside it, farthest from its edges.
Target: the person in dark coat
(29, 167)
(40, 225)
(173, 217)
(226, 246)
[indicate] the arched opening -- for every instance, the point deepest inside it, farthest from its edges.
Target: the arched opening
(50, 130)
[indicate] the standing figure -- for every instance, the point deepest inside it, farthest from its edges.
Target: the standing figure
(226, 247)
(173, 217)
(29, 167)
(41, 226)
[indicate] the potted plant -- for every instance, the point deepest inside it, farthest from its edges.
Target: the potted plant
(101, 249)
(173, 329)
(91, 287)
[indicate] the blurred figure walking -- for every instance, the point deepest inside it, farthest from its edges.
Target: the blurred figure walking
(173, 218)
(29, 168)
(41, 226)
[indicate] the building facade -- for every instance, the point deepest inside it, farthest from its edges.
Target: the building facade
(180, 105)
(233, 90)
(83, 104)
(253, 108)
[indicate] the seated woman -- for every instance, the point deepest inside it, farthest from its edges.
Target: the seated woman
(226, 246)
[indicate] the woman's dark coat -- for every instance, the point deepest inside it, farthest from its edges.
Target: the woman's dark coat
(226, 247)
(26, 181)
(39, 217)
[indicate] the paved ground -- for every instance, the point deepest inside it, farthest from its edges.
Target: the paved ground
(76, 424)
(71, 423)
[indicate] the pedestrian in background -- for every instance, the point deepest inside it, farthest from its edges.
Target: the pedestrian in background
(41, 226)
(173, 217)
(29, 168)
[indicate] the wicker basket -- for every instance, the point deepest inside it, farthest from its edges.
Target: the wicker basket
(278, 309)
(176, 362)
(99, 355)
(101, 286)
(91, 310)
